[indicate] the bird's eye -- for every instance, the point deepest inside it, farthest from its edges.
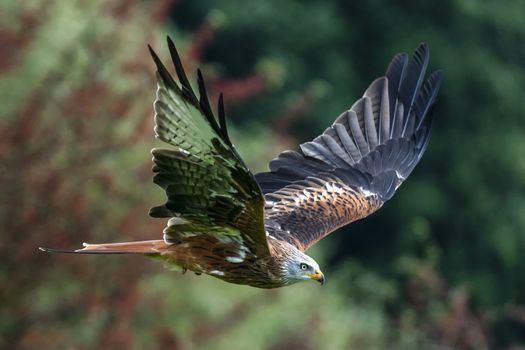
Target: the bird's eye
(304, 267)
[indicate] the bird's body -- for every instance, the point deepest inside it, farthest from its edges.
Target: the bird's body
(254, 229)
(224, 258)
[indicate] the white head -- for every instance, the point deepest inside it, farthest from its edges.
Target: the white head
(299, 267)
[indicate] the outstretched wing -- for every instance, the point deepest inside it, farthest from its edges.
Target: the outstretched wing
(209, 188)
(357, 164)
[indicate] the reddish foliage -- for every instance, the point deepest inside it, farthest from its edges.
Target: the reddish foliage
(84, 102)
(201, 39)
(54, 147)
(293, 114)
(13, 44)
(167, 340)
(241, 88)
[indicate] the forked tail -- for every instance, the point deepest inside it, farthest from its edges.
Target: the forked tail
(140, 247)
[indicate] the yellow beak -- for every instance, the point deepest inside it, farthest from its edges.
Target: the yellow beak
(317, 276)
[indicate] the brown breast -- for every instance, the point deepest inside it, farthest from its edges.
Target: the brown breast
(227, 259)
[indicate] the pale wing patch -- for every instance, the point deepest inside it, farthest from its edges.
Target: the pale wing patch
(234, 259)
(216, 273)
(239, 257)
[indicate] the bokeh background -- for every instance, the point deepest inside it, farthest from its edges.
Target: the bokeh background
(441, 266)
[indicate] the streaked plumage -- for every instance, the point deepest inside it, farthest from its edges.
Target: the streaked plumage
(246, 229)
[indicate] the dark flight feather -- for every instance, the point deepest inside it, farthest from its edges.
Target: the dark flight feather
(222, 119)
(395, 73)
(204, 104)
(175, 58)
(409, 89)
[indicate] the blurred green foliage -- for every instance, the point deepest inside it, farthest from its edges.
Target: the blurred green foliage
(440, 266)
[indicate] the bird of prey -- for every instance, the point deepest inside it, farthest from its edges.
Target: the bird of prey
(251, 229)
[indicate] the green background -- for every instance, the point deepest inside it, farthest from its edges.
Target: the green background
(441, 266)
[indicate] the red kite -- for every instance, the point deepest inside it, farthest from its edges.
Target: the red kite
(254, 229)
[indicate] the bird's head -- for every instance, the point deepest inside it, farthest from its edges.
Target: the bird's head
(300, 267)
